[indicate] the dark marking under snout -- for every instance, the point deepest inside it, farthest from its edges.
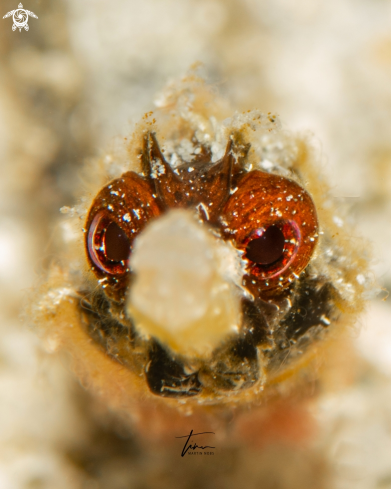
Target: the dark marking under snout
(305, 323)
(166, 376)
(235, 365)
(101, 326)
(267, 338)
(255, 324)
(116, 337)
(313, 306)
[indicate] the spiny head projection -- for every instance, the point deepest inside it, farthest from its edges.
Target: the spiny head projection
(213, 267)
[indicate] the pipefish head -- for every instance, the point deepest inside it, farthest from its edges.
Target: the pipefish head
(215, 267)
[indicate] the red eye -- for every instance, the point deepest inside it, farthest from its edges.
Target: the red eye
(266, 246)
(117, 244)
(117, 215)
(273, 250)
(273, 221)
(108, 244)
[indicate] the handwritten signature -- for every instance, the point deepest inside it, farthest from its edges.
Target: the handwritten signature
(193, 447)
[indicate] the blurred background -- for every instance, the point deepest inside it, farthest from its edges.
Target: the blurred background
(82, 75)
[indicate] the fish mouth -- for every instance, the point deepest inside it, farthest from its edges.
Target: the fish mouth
(273, 335)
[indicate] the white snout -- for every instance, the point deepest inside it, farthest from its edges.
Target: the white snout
(186, 290)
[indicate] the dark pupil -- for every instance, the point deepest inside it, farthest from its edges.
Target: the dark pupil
(117, 244)
(268, 248)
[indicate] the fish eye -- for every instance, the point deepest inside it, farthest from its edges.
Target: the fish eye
(273, 250)
(116, 243)
(108, 244)
(117, 215)
(267, 246)
(274, 223)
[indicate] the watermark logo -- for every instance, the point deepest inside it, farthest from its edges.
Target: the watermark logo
(192, 449)
(20, 17)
